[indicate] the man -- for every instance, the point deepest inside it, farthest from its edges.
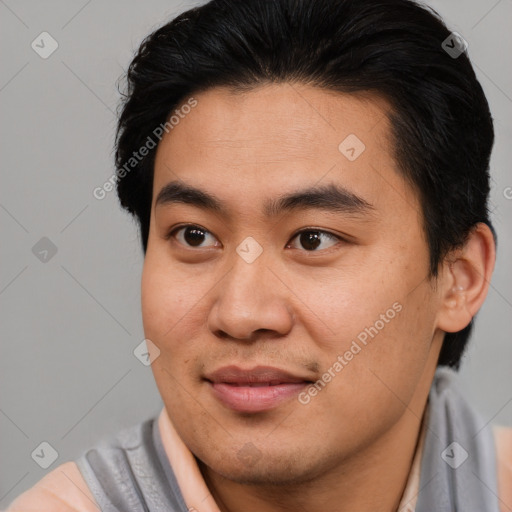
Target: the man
(311, 183)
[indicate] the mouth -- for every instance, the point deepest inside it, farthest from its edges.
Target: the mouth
(254, 390)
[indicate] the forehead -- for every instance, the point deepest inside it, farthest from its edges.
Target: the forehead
(281, 117)
(276, 137)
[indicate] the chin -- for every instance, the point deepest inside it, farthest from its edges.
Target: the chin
(251, 467)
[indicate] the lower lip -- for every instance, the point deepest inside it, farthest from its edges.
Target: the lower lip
(255, 398)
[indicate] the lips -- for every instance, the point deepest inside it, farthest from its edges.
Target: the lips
(254, 390)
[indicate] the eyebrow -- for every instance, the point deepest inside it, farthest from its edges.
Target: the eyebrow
(330, 197)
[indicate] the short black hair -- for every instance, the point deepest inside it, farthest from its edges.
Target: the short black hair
(441, 124)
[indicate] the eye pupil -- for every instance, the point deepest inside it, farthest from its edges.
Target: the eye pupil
(194, 236)
(310, 239)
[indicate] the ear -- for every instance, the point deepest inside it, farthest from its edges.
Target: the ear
(465, 279)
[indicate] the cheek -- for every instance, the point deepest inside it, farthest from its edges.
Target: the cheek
(174, 311)
(383, 358)
(157, 301)
(171, 312)
(170, 299)
(382, 328)
(341, 305)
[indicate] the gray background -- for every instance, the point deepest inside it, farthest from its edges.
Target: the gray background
(70, 324)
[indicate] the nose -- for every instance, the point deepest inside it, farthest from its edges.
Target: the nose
(251, 300)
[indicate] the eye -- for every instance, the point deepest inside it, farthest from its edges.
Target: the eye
(191, 235)
(195, 236)
(310, 239)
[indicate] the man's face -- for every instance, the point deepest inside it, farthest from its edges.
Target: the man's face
(346, 304)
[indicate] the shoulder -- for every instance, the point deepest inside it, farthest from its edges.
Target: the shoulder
(503, 440)
(61, 490)
(64, 489)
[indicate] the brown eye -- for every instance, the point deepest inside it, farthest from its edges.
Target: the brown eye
(192, 236)
(312, 239)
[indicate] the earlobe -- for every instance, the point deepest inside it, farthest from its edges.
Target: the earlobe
(466, 276)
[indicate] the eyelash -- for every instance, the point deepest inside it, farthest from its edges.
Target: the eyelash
(175, 229)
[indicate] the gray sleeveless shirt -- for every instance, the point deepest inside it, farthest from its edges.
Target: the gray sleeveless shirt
(131, 472)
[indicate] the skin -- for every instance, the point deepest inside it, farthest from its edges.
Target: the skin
(351, 447)
(204, 307)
